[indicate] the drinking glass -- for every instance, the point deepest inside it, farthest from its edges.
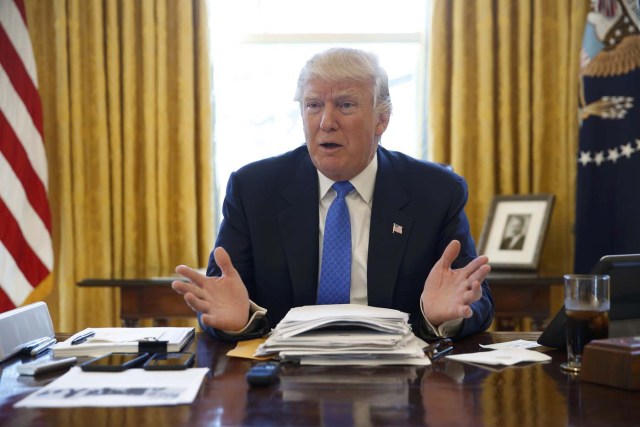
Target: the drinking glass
(586, 303)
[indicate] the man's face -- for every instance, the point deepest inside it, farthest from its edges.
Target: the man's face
(340, 127)
(515, 226)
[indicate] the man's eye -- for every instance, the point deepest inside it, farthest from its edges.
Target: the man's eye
(348, 105)
(313, 105)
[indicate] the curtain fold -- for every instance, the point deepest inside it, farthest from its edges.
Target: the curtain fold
(503, 105)
(127, 122)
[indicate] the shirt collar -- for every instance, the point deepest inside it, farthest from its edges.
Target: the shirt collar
(364, 182)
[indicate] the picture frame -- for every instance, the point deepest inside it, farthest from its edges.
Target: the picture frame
(514, 231)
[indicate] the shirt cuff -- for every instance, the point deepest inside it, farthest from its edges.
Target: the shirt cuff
(445, 329)
(256, 314)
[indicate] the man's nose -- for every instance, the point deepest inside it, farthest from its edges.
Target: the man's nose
(329, 122)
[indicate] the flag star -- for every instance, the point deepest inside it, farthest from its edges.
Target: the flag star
(585, 158)
(638, 144)
(599, 158)
(613, 155)
(627, 150)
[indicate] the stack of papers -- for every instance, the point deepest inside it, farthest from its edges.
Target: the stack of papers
(345, 334)
(122, 340)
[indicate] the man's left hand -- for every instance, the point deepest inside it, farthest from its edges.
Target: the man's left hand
(448, 294)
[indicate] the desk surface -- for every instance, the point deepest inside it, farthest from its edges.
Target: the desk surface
(447, 393)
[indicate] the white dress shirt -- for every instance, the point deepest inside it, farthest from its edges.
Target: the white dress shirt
(359, 203)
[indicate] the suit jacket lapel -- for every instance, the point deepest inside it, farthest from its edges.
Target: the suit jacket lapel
(389, 233)
(299, 227)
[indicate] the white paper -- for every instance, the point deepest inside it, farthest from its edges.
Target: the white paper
(133, 387)
(512, 344)
(410, 361)
(357, 335)
(302, 319)
(126, 340)
(506, 356)
(313, 312)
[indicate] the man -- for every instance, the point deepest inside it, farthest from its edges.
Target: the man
(408, 225)
(514, 233)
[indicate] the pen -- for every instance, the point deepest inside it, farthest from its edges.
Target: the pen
(43, 346)
(82, 338)
(26, 349)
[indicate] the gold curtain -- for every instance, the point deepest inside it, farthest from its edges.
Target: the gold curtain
(125, 88)
(504, 102)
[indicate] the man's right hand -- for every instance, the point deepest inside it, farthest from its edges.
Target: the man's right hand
(223, 301)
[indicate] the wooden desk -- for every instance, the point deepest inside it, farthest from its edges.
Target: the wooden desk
(145, 299)
(521, 295)
(517, 296)
(446, 393)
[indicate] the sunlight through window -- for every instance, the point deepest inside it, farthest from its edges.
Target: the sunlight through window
(259, 46)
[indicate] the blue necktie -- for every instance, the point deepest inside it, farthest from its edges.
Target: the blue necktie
(335, 273)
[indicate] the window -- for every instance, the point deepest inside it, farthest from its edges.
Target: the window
(259, 47)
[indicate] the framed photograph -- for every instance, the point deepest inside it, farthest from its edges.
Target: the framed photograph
(513, 234)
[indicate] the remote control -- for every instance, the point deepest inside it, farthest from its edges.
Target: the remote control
(43, 366)
(263, 374)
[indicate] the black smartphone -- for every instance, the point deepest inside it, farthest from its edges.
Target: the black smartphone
(114, 362)
(169, 361)
(263, 374)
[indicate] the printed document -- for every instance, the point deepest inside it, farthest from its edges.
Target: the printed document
(133, 387)
(345, 334)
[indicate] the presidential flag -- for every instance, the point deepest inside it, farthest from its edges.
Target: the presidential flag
(608, 184)
(26, 253)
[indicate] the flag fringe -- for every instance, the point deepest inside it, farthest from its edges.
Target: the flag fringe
(41, 291)
(621, 60)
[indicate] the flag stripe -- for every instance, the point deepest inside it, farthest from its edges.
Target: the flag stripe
(23, 85)
(14, 24)
(20, 6)
(19, 250)
(15, 156)
(15, 286)
(19, 119)
(13, 196)
(5, 301)
(26, 250)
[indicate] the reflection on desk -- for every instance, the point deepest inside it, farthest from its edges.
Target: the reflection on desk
(445, 393)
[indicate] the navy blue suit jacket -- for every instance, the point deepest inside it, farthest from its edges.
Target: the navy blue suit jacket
(270, 230)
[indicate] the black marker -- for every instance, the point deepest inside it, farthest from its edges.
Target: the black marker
(82, 338)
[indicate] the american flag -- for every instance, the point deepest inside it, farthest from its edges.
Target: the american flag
(608, 184)
(26, 252)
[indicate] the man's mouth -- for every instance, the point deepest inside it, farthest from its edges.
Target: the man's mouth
(329, 145)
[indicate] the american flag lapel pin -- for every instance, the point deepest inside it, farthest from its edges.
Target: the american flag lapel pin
(397, 228)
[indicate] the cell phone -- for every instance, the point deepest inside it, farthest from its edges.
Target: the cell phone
(169, 361)
(43, 366)
(114, 362)
(262, 374)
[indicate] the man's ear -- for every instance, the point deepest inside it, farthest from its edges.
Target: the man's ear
(383, 122)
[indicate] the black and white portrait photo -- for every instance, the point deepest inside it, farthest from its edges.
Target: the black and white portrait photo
(515, 232)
